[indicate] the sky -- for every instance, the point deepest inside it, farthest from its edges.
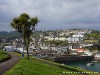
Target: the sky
(53, 14)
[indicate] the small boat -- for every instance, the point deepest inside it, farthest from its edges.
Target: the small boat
(95, 61)
(90, 64)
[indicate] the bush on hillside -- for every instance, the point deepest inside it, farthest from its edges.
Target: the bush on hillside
(4, 56)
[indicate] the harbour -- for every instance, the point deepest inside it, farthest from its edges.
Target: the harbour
(84, 64)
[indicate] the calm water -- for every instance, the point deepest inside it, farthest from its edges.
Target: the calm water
(95, 67)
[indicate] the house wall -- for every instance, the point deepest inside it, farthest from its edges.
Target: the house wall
(9, 48)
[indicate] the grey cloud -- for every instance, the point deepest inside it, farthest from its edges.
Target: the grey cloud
(53, 13)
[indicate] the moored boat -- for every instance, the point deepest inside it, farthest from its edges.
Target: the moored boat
(90, 64)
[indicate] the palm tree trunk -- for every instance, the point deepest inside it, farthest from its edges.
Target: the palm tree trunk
(27, 46)
(27, 53)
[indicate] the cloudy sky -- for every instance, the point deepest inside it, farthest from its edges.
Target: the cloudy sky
(53, 14)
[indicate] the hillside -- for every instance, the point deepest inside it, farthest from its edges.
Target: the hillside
(9, 35)
(36, 66)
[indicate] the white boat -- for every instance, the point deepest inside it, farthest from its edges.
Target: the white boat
(90, 64)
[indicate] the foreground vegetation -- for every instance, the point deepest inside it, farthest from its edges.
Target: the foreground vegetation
(4, 56)
(36, 66)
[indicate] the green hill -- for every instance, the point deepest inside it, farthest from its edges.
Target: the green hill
(36, 66)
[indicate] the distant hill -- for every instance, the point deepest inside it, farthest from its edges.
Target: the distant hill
(9, 35)
(3, 33)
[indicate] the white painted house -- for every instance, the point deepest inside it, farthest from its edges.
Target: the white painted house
(21, 50)
(78, 35)
(54, 48)
(9, 48)
(97, 55)
(73, 39)
(55, 38)
(61, 49)
(86, 45)
(60, 38)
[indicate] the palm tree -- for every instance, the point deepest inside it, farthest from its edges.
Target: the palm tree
(25, 25)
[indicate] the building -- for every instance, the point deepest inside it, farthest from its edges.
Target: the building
(86, 45)
(55, 38)
(88, 52)
(97, 56)
(78, 35)
(73, 39)
(21, 50)
(9, 48)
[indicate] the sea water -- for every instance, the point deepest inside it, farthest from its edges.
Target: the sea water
(83, 64)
